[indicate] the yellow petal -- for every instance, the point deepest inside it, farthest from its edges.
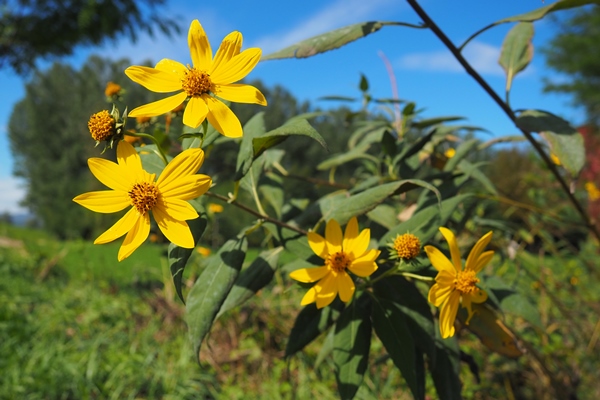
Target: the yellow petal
(439, 260)
(154, 79)
(370, 256)
(236, 68)
(477, 250)
(358, 246)
(131, 165)
(240, 93)
(454, 250)
(310, 296)
(105, 201)
(159, 107)
(317, 244)
(448, 315)
(172, 67)
(187, 187)
(200, 50)
(178, 209)
(483, 260)
(365, 265)
(478, 296)
(333, 236)
(110, 174)
(136, 236)
(327, 292)
(177, 232)
(230, 47)
(345, 286)
(121, 227)
(195, 112)
(439, 293)
(186, 163)
(308, 275)
(445, 278)
(222, 118)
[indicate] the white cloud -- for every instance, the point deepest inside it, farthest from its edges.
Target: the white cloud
(483, 58)
(337, 15)
(11, 192)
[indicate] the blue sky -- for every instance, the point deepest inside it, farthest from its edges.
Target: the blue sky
(425, 71)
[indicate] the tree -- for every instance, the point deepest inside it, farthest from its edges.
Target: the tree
(32, 29)
(575, 52)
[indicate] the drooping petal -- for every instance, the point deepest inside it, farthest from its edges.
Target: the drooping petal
(222, 118)
(105, 201)
(328, 290)
(159, 107)
(308, 275)
(240, 93)
(310, 296)
(186, 163)
(448, 314)
(195, 112)
(345, 287)
(109, 173)
(200, 50)
(121, 227)
(172, 67)
(155, 80)
(333, 236)
(478, 296)
(318, 244)
(178, 209)
(177, 232)
(454, 250)
(187, 187)
(135, 237)
(230, 47)
(483, 260)
(439, 293)
(439, 260)
(477, 250)
(237, 68)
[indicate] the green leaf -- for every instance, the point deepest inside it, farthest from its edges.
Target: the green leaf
(542, 11)
(309, 324)
(255, 127)
(151, 159)
(445, 369)
(363, 202)
(351, 345)
(462, 151)
(517, 51)
(211, 289)
(564, 140)
(252, 279)
(179, 256)
(328, 41)
(294, 126)
(364, 83)
(390, 326)
(384, 215)
(339, 159)
(513, 302)
(271, 188)
(473, 170)
(426, 123)
(338, 98)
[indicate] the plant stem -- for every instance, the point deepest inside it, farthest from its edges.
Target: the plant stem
(255, 213)
(159, 149)
(417, 277)
(507, 110)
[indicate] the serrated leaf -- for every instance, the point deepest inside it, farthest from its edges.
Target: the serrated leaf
(390, 326)
(517, 51)
(255, 127)
(179, 256)
(351, 345)
(310, 323)
(211, 289)
(564, 140)
(252, 279)
(293, 127)
(328, 41)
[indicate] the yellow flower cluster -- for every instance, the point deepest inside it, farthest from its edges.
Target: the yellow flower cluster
(407, 246)
(592, 190)
(102, 126)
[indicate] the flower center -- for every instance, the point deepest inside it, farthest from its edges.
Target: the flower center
(408, 246)
(102, 125)
(144, 196)
(196, 82)
(338, 261)
(466, 281)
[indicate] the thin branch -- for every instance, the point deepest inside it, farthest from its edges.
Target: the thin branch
(255, 213)
(507, 110)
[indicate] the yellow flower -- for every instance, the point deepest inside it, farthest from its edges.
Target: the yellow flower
(215, 208)
(555, 159)
(205, 251)
(407, 246)
(202, 83)
(132, 186)
(593, 192)
(341, 253)
(112, 89)
(450, 152)
(453, 283)
(102, 126)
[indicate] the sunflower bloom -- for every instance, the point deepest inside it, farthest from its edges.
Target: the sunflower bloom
(203, 83)
(132, 186)
(341, 253)
(453, 283)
